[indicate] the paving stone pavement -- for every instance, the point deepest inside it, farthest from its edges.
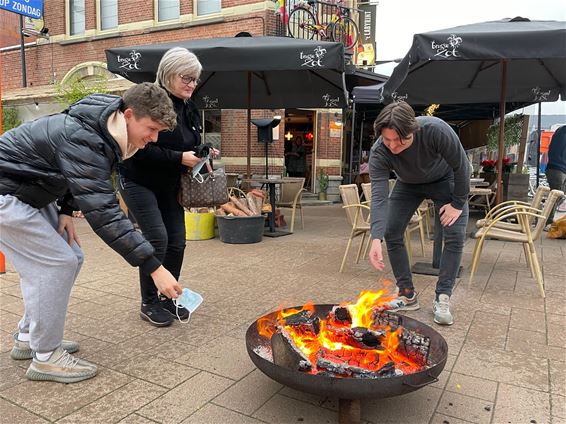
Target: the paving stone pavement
(506, 361)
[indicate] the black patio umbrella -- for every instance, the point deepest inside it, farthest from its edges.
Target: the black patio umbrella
(370, 97)
(512, 60)
(250, 72)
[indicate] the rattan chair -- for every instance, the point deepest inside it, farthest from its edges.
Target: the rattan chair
(358, 217)
(366, 191)
(415, 224)
(536, 203)
(290, 197)
(481, 197)
(526, 217)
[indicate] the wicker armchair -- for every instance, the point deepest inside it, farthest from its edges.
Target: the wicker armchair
(531, 222)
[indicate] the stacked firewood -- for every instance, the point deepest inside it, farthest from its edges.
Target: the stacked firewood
(251, 203)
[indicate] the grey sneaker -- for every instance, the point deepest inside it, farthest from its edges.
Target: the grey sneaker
(402, 303)
(21, 350)
(441, 310)
(61, 367)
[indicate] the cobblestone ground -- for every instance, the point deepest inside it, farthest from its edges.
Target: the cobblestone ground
(506, 360)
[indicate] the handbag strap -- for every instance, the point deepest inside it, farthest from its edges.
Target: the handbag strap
(198, 176)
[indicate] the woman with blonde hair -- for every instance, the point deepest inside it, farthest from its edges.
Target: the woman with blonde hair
(150, 181)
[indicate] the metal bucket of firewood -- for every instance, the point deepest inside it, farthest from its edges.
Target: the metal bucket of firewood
(240, 229)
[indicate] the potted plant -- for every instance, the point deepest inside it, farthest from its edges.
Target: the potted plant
(488, 170)
(515, 185)
(322, 180)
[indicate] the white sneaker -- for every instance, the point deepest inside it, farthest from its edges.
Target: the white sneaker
(61, 367)
(441, 310)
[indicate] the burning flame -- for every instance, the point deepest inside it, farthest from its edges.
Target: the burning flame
(330, 339)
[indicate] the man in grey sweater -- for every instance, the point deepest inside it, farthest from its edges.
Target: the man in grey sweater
(430, 163)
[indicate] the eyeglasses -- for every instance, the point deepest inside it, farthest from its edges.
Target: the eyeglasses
(188, 80)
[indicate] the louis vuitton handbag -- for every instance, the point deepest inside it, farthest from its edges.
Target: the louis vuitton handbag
(203, 190)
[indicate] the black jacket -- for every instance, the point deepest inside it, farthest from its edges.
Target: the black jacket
(158, 166)
(557, 150)
(70, 156)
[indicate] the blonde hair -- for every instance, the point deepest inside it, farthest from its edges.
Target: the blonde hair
(177, 61)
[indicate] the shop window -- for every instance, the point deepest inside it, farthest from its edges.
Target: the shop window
(108, 14)
(212, 132)
(77, 16)
(207, 7)
(168, 10)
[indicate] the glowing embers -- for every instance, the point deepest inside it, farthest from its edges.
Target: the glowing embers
(353, 340)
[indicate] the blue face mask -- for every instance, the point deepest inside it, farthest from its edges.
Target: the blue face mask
(189, 300)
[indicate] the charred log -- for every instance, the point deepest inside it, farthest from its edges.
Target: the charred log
(370, 339)
(384, 318)
(286, 353)
(341, 315)
(331, 365)
(415, 346)
(304, 321)
(358, 337)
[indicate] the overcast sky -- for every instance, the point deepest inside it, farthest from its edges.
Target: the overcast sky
(398, 20)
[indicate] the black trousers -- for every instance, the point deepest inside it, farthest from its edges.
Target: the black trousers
(403, 202)
(162, 222)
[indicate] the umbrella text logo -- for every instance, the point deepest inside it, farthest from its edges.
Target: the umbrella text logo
(540, 96)
(329, 101)
(210, 103)
(313, 60)
(398, 97)
(129, 63)
(449, 49)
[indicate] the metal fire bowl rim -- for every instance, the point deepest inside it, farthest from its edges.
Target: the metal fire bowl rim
(345, 387)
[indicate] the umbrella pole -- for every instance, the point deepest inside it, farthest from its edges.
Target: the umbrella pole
(539, 132)
(249, 119)
(501, 150)
(352, 137)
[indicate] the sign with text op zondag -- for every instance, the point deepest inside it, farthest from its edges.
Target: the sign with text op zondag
(30, 8)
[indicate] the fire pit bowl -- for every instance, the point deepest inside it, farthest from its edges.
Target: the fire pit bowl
(259, 349)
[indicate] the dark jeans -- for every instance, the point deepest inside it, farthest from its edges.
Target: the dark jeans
(556, 181)
(162, 222)
(403, 202)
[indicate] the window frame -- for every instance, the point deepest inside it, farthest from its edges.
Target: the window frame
(198, 15)
(70, 21)
(99, 16)
(166, 21)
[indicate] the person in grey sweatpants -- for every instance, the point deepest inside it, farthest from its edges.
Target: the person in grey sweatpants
(430, 163)
(49, 168)
(46, 275)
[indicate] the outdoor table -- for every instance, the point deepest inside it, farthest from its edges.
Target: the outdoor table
(475, 181)
(271, 183)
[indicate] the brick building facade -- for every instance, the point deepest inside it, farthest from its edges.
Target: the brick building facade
(81, 30)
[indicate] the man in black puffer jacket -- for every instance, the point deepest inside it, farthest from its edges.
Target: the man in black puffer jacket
(69, 158)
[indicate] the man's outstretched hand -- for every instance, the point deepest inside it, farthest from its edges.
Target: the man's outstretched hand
(376, 255)
(166, 283)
